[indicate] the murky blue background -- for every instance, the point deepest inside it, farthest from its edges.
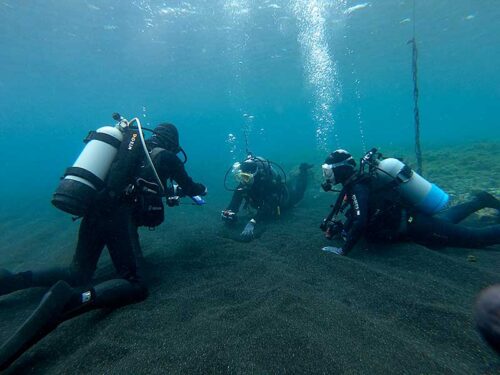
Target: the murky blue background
(300, 77)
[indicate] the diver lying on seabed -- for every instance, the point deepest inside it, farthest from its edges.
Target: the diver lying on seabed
(385, 200)
(116, 185)
(262, 186)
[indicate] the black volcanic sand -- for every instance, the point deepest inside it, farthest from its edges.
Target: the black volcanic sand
(275, 305)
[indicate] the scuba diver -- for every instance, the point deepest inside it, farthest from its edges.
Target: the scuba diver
(389, 202)
(262, 186)
(115, 186)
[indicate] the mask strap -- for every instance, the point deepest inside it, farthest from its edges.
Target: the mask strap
(341, 163)
(181, 150)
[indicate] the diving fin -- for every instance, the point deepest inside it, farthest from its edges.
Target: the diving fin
(42, 321)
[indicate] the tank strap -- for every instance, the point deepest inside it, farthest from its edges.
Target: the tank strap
(404, 174)
(86, 175)
(103, 137)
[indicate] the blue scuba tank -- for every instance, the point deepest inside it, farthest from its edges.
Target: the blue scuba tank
(415, 190)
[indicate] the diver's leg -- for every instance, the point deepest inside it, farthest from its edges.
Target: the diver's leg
(11, 282)
(108, 294)
(91, 242)
(297, 187)
(236, 200)
(88, 250)
(460, 212)
(42, 321)
(122, 243)
(62, 302)
(434, 231)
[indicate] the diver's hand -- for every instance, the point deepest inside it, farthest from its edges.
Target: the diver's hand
(199, 189)
(334, 250)
(326, 186)
(247, 233)
(205, 191)
(228, 216)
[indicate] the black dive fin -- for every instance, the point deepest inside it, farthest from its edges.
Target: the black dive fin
(42, 321)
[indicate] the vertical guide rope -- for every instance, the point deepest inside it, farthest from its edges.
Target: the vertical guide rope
(418, 150)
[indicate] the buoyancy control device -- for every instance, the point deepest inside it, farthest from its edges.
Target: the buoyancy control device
(414, 190)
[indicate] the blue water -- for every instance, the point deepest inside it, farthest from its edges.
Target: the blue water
(299, 77)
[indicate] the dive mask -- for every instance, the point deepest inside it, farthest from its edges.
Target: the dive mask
(244, 178)
(328, 174)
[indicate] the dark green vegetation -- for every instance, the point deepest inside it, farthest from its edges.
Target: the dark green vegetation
(276, 305)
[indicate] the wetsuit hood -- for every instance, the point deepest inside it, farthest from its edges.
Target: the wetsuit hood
(339, 166)
(166, 136)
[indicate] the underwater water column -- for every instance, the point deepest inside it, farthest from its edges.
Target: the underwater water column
(320, 67)
(236, 17)
(357, 93)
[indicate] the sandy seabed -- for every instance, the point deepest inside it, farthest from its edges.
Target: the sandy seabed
(275, 305)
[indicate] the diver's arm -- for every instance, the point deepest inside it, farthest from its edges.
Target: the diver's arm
(236, 200)
(358, 200)
(171, 166)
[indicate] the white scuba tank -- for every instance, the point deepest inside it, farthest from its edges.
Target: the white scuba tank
(415, 190)
(80, 183)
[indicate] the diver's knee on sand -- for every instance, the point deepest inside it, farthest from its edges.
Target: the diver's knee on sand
(63, 302)
(42, 321)
(299, 185)
(460, 212)
(119, 292)
(11, 282)
(108, 294)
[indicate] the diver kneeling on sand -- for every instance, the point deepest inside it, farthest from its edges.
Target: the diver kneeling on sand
(386, 200)
(262, 186)
(116, 185)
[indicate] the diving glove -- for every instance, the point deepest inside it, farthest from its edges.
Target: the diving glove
(247, 233)
(326, 186)
(334, 250)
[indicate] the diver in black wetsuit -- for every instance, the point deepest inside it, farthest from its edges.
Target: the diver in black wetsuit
(382, 216)
(263, 188)
(111, 221)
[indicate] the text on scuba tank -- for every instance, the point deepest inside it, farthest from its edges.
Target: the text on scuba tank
(132, 141)
(356, 205)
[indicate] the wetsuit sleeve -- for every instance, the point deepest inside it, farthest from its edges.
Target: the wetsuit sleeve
(358, 200)
(236, 200)
(170, 166)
